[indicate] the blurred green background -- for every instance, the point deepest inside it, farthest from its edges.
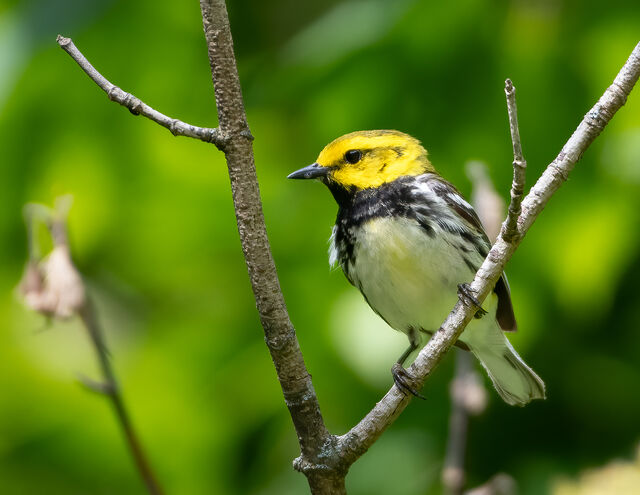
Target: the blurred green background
(153, 231)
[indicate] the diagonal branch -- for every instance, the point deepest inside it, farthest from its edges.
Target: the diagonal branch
(519, 166)
(111, 390)
(138, 107)
(358, 440)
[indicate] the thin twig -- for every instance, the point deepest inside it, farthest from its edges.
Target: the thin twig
(30, 213)
(468, 395)
(96, 386)
(509, 229)
(110, 389)
(138, 107)
(358, 440)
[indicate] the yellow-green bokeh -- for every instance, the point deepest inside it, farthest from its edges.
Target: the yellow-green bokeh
(152, 230)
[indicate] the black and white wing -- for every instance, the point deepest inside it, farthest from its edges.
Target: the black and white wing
(476, 235)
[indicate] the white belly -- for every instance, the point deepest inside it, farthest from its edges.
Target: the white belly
(408, 277)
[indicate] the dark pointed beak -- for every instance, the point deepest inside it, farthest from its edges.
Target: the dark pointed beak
(313, 171)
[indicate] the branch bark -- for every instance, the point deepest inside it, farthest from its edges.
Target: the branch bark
(234, 138)
(295, 381)
(325, 458)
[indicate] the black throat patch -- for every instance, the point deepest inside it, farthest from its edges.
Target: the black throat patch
(394, 199)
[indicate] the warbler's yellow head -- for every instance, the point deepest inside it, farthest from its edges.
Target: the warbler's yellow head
(366, 159)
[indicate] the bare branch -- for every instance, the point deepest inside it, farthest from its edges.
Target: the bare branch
(354, 443)
(512, 109)
(138, 107)
(317, 460)
(110, 389)
(234, 138)
(96, 386)
(519, 166)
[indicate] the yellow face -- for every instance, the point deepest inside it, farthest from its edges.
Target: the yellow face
(367, 159)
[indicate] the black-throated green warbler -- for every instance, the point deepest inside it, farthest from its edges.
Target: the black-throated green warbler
(406, 238)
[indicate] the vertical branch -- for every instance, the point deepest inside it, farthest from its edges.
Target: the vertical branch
(295, 381)
(509, 229)
(488, 204)
(453, 473)
(31, 212)
(468, 398)
(318, 460)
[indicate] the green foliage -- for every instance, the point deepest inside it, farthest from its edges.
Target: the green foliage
(152, 228)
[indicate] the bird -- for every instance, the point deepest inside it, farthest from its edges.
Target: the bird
(409, 241)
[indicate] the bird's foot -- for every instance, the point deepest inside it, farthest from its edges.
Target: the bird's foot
(404, 381)
(464, 292)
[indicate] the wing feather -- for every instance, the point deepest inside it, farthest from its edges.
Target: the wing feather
(452, 197)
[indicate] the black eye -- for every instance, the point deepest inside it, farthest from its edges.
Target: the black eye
(353, 156)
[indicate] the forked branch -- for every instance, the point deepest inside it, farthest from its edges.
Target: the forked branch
(234, 138)
(316, 444)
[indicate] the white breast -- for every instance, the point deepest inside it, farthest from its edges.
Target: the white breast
(407, 276)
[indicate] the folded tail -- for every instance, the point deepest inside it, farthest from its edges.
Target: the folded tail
(516, 383)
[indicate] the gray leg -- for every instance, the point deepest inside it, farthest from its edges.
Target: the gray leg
(401, 377)
(412, 347)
